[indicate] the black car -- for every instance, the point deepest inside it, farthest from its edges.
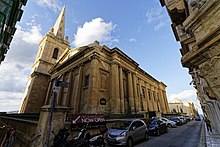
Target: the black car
(177, 120)
(157, 127)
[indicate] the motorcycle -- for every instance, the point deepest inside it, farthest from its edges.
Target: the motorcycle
(98, 140)
(81, 140)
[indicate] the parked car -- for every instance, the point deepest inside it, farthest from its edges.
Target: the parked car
(126, 132)
(187, 118)
(169, 123)
(177, 120)
(183, 119)
(197, 118)
(157, 126)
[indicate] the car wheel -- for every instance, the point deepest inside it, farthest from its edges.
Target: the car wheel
(146, 136)
(129, 142)
(169, 125)
(158, 132)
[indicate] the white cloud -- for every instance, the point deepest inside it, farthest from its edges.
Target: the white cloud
(159, 25)
(156, 16)
(96, 29)
(51, 4)
(14, 71)
(31, 36)
(187, 96)
(132, 40)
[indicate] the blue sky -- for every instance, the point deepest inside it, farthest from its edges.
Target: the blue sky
(141, 29)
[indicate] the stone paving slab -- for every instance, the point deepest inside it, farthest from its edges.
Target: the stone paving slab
(212, 138)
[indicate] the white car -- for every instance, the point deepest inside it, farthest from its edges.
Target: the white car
(168, 122)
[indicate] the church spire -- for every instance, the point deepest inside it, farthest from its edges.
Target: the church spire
(58, 28)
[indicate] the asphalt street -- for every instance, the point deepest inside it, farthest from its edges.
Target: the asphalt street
(187, 135)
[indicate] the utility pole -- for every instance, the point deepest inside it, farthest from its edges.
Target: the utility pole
(54, 94)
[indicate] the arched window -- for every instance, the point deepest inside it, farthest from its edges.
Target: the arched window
(55, 53)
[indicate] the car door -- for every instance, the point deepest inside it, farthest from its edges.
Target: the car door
(133, 131)
(161, 125)
(141, 128)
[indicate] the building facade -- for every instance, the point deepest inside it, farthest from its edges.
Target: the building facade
(186, 108)
(10, 13)
(196, 26)
(100, 79)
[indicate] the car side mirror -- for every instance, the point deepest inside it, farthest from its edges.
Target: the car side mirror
(133, 128)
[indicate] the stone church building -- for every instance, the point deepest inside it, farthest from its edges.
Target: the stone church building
(99, 80)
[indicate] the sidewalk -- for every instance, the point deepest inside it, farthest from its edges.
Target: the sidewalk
(212, 138)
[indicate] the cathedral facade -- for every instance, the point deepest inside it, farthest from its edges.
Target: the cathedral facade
(99, 80)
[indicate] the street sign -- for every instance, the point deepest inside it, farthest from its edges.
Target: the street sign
(63, 84)
(102, 101)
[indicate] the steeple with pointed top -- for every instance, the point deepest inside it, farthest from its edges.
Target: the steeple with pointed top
(59, 27)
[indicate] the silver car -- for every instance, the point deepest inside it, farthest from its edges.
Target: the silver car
(169, 123)
(127, 131)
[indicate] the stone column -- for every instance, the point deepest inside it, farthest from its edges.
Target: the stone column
(140, 96)
(93, 102)
(136, 102)
(49, 91)
(77, 99)
(165, 101)
(152, 98)
(163, 109)
(122, 104)
(130, 92)
(115, 99)
(147, 97)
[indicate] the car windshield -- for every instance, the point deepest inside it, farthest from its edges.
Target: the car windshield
(121, 125)
(154, 122)
(174, 118)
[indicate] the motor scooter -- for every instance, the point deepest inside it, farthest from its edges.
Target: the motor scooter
(60, 139)
(97, 140)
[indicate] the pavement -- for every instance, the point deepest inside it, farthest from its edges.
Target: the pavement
(212, 138)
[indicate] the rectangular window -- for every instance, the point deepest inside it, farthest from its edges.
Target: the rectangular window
(154, 96)
(149, 95)
(104, 81)
(86, 84)
(143, 92)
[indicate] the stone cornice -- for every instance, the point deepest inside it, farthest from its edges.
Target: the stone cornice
(39, 73)
(199, 14)
(194, 54)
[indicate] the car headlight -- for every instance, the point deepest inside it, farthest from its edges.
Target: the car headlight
(123, 134)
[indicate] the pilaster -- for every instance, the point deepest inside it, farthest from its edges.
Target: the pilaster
(130, 92)
(93, 103)
(122, 104)
(115, 99)
(77, 99)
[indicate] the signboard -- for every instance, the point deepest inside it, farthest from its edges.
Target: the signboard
(87, 119)
(63, 84)
(102, 101)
